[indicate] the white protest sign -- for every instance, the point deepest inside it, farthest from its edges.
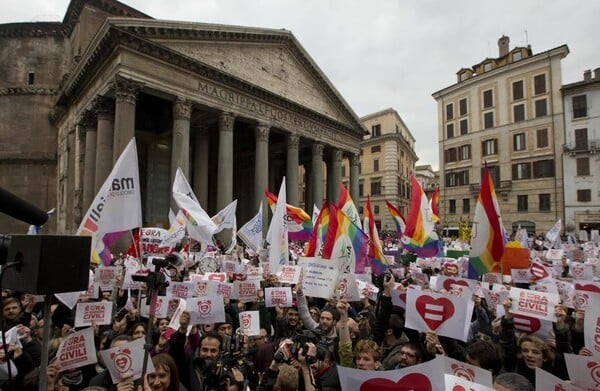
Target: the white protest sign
(250, 323)
(460, 383)
(12, 339)
(399, 294)
(98, 313)
(245, 291)
(219, 277)
(289, 274)
(445, 282)
(70, 299)
(161, 309)
(152, 239)
(347, 288)
(554, 254)
(370, 289)
(521, 276)
(319, 276)
(548, 286)
(468, 372)
(181, 306)
(202, 287)
(206, 309)
(224, 289)
(534, 304)
(128, 358)
(581, 271)
(584, 371)
(77, 350)
(182, 290)
(281, 296)
(106, 277)
(546, 381)
(494, 298)
(446, 315)
(591, 325)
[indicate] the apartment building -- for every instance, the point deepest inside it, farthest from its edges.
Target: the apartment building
(428, 178)
(506, 112)
(581, 158)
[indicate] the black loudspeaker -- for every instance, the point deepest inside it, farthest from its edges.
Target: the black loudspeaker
(50, 264)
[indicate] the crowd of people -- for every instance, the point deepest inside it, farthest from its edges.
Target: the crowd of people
(299, 347)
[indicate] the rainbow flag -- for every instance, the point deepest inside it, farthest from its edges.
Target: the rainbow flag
(345, 242)
(399, 219)
(376, 258)
(346, 205)
(434, 206)
(319, 232)
(419, 236)
(487, 239)
(299, 223)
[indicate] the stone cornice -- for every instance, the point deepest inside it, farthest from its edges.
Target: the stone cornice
(28, 91)
(116, 38)
(32, 29)
(111, 6)
(388, 137)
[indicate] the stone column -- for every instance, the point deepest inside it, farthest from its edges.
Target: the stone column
(293, 140)
(126, 92)
(308, 200)
(225, 163)
(354, 178)
(336, 174)
(180, 146)
(200, 170)
(261, 171)
(105, 112)
(328, 177)
(317, 173)
(89, 122)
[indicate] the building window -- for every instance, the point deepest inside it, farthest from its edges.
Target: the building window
(343, 171)
(579, 106)
(397, 129)
(543, 169)
(488, 100)
(361, 189)
(462, 106)
(519, 142)
(375, 165)
(466, 205)
(376, 130)
(517, 56)
(583, 166)
(581, 139)
(489, 147)
(488, 120)
(540, 108)
(376, 148)
(584, 195)
(452, 207)
(449, 111)
(539, 83)
(517, 90)
(542, 138)
(30, 78)
(487, 67)
(544, 202)
(494, 173)
(464, 152)
(449, 130)
(359, 168)
(522, 203)
(450, 155)
(521, 171)
(464, 126)
(519, 113)
(376, 209)
(460, 178)
(376, 188)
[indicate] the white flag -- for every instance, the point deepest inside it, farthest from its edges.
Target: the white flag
(225, 219)
(176, 230)
(553, 234)
(181, 185)
(278, 252)
(315, 214)
(251, 232)
(199, 225)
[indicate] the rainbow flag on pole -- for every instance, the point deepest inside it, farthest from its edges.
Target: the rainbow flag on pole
(419, 236)
(346, 205)
(345, 242)
(376, 258)
(434, 206)
(399, 219)
(319, 232)
(487, 239)
(299, 223)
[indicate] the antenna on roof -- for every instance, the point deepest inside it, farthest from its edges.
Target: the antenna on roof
(526, 38)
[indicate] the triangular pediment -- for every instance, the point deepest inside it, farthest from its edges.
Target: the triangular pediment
(269, 66)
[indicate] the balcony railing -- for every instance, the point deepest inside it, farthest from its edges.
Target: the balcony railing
(590, 146)
(504, 188)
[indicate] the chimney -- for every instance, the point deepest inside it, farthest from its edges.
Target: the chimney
(597, 74)
(587, 75)
(503, 46)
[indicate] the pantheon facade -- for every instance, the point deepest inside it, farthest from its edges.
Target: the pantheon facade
(237, 108)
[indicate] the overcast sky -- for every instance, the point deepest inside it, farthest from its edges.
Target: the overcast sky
(388, 53)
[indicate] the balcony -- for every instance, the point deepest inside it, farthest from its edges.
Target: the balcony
(504, 188)
(573, 148)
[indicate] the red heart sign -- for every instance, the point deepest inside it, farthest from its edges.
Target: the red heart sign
(526, 324)
(434, 311)
(587, 287)
(216, 277)
(246, 320)
(538, 271)
(449, 281)
(410, 382)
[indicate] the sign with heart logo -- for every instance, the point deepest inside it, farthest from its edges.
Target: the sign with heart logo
(581, 271)
(126, 358)
(421, 377)
(219, 277)
(456, 383)
(160, 307)
(526, 324)
(250, 322)
(245, 291)
(521, 275)
(534, 304)
(206, 309)
(539, 271)
(447, 315)
(181, 289)
(467, 372)
(547, 381)
(445, 282)
(587, 286)
(399, 294)
(584, 371)
(591, 325)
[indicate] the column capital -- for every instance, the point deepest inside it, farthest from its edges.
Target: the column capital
(336, 155)
(88, 120)
(293, 140)
(226, 121)
(354, 159)
(317, 148)
(126, 90)
(261, 132)
(103, 107)
(199, 128)
(182, 109)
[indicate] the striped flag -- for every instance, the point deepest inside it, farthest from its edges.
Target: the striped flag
(399, 219)
(376, 258)
(419, 236)
(345, 242)
(346, 205)
(319, 232)
(299, 223)
(487, 239)
(434, 206)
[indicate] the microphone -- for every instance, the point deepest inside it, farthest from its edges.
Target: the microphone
(20, 209)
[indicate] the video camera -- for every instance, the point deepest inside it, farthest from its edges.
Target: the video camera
(220, 371)
(300, 341)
